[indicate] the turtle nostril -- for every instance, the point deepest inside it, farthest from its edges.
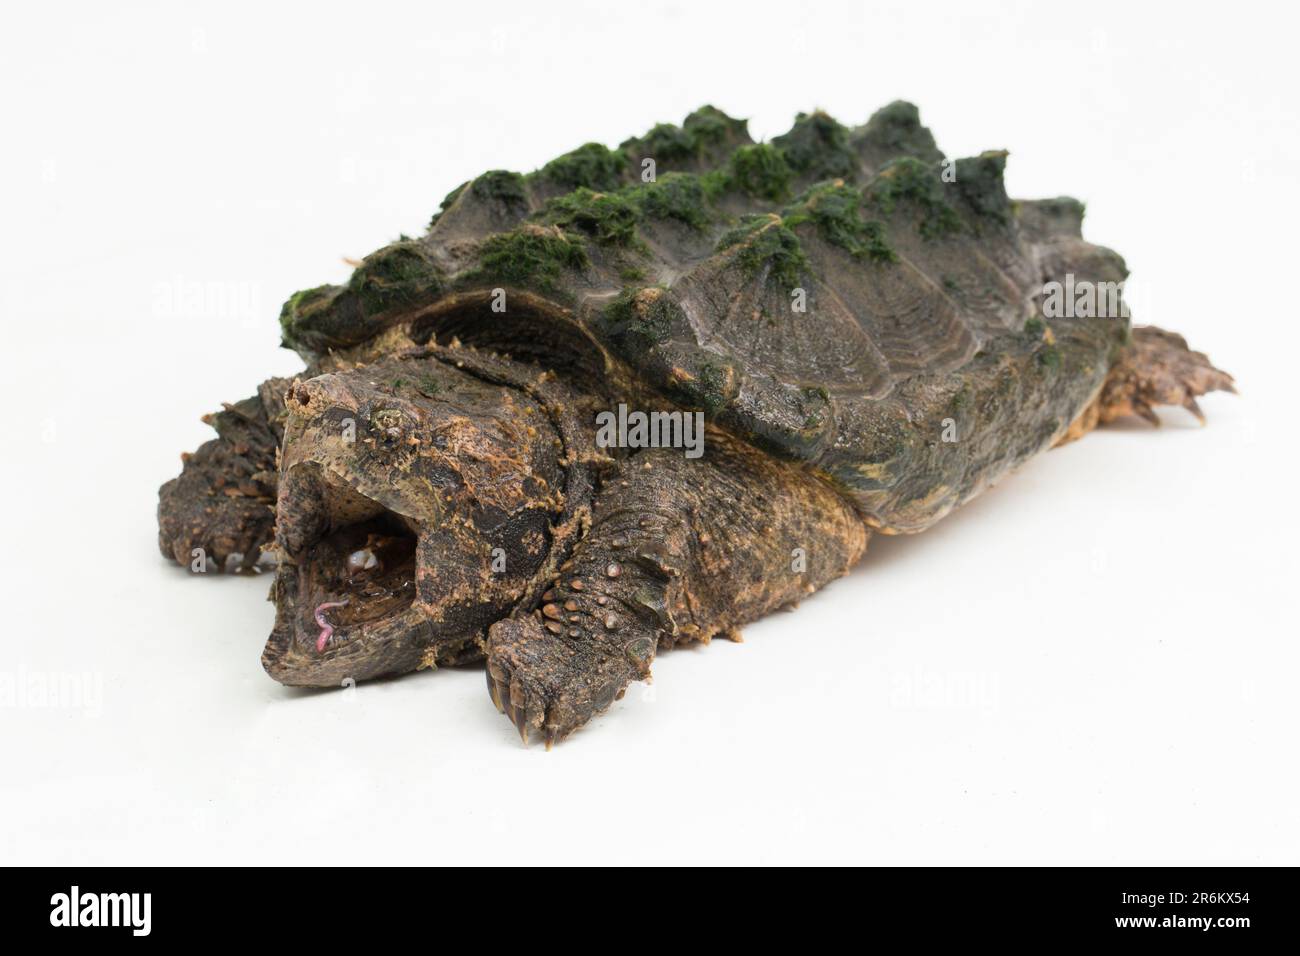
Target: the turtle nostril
(320, 396)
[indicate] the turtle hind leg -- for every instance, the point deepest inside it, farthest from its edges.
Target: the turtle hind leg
(1156, 368)
(678, 550)
(220, 510)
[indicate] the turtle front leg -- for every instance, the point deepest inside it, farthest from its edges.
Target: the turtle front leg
(678, 550)
(221, 507)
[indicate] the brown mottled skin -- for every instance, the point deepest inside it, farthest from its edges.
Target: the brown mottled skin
(223, 502)
(678, 550)
(432, 486)
(452, 455)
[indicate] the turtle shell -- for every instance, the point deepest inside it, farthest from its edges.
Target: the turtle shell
(845, 297)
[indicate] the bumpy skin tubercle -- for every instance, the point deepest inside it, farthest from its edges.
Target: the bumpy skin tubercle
(221, 508)
(422, 498)
(678, 551)
(1158, 369)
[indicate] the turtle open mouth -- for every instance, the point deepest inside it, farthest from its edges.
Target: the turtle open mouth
(358, 574)
(348, 586)
(417, 504)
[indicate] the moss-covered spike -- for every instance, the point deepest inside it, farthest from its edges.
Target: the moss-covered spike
(980, 183)
(639, 319)
(761, 171)
(896, 130)
(302, 311)
(715, 386)
(447, 200)
(710, 126)
(397, 276)
(909, 180)
(710, 385)
(501, 185)
(591, 165)
(703, 137)
(612, 218)
(835, 209)
(609, 218)
(767, 244)
(1064, 206)
(665, 143)
(677, 196)
(817, 146)
(898, 115)
(531, 256)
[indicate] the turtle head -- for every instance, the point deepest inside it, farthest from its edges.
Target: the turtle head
(415, 508)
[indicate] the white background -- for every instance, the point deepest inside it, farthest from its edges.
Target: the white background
(1094, 663)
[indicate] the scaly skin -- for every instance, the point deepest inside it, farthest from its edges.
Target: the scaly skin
(678, 550)
(465, 476)
(1158, 369)
(1155, 368)
(223, 501)
(702, 547)
(670, 550)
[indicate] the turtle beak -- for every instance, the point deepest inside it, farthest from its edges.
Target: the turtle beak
(345, 595)
(407, 520)
(349, 534)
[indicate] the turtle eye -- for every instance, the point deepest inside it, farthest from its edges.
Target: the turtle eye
(390, 425)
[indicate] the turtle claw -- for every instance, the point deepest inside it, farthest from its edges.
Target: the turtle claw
(510, 698)
(549, 684)
(1159, 369)
(1146, 413)
(516, 718)
(494, 690)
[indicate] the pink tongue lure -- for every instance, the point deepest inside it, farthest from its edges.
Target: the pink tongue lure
(326, 628)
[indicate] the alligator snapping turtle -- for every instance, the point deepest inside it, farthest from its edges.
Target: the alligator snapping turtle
(872, 334)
